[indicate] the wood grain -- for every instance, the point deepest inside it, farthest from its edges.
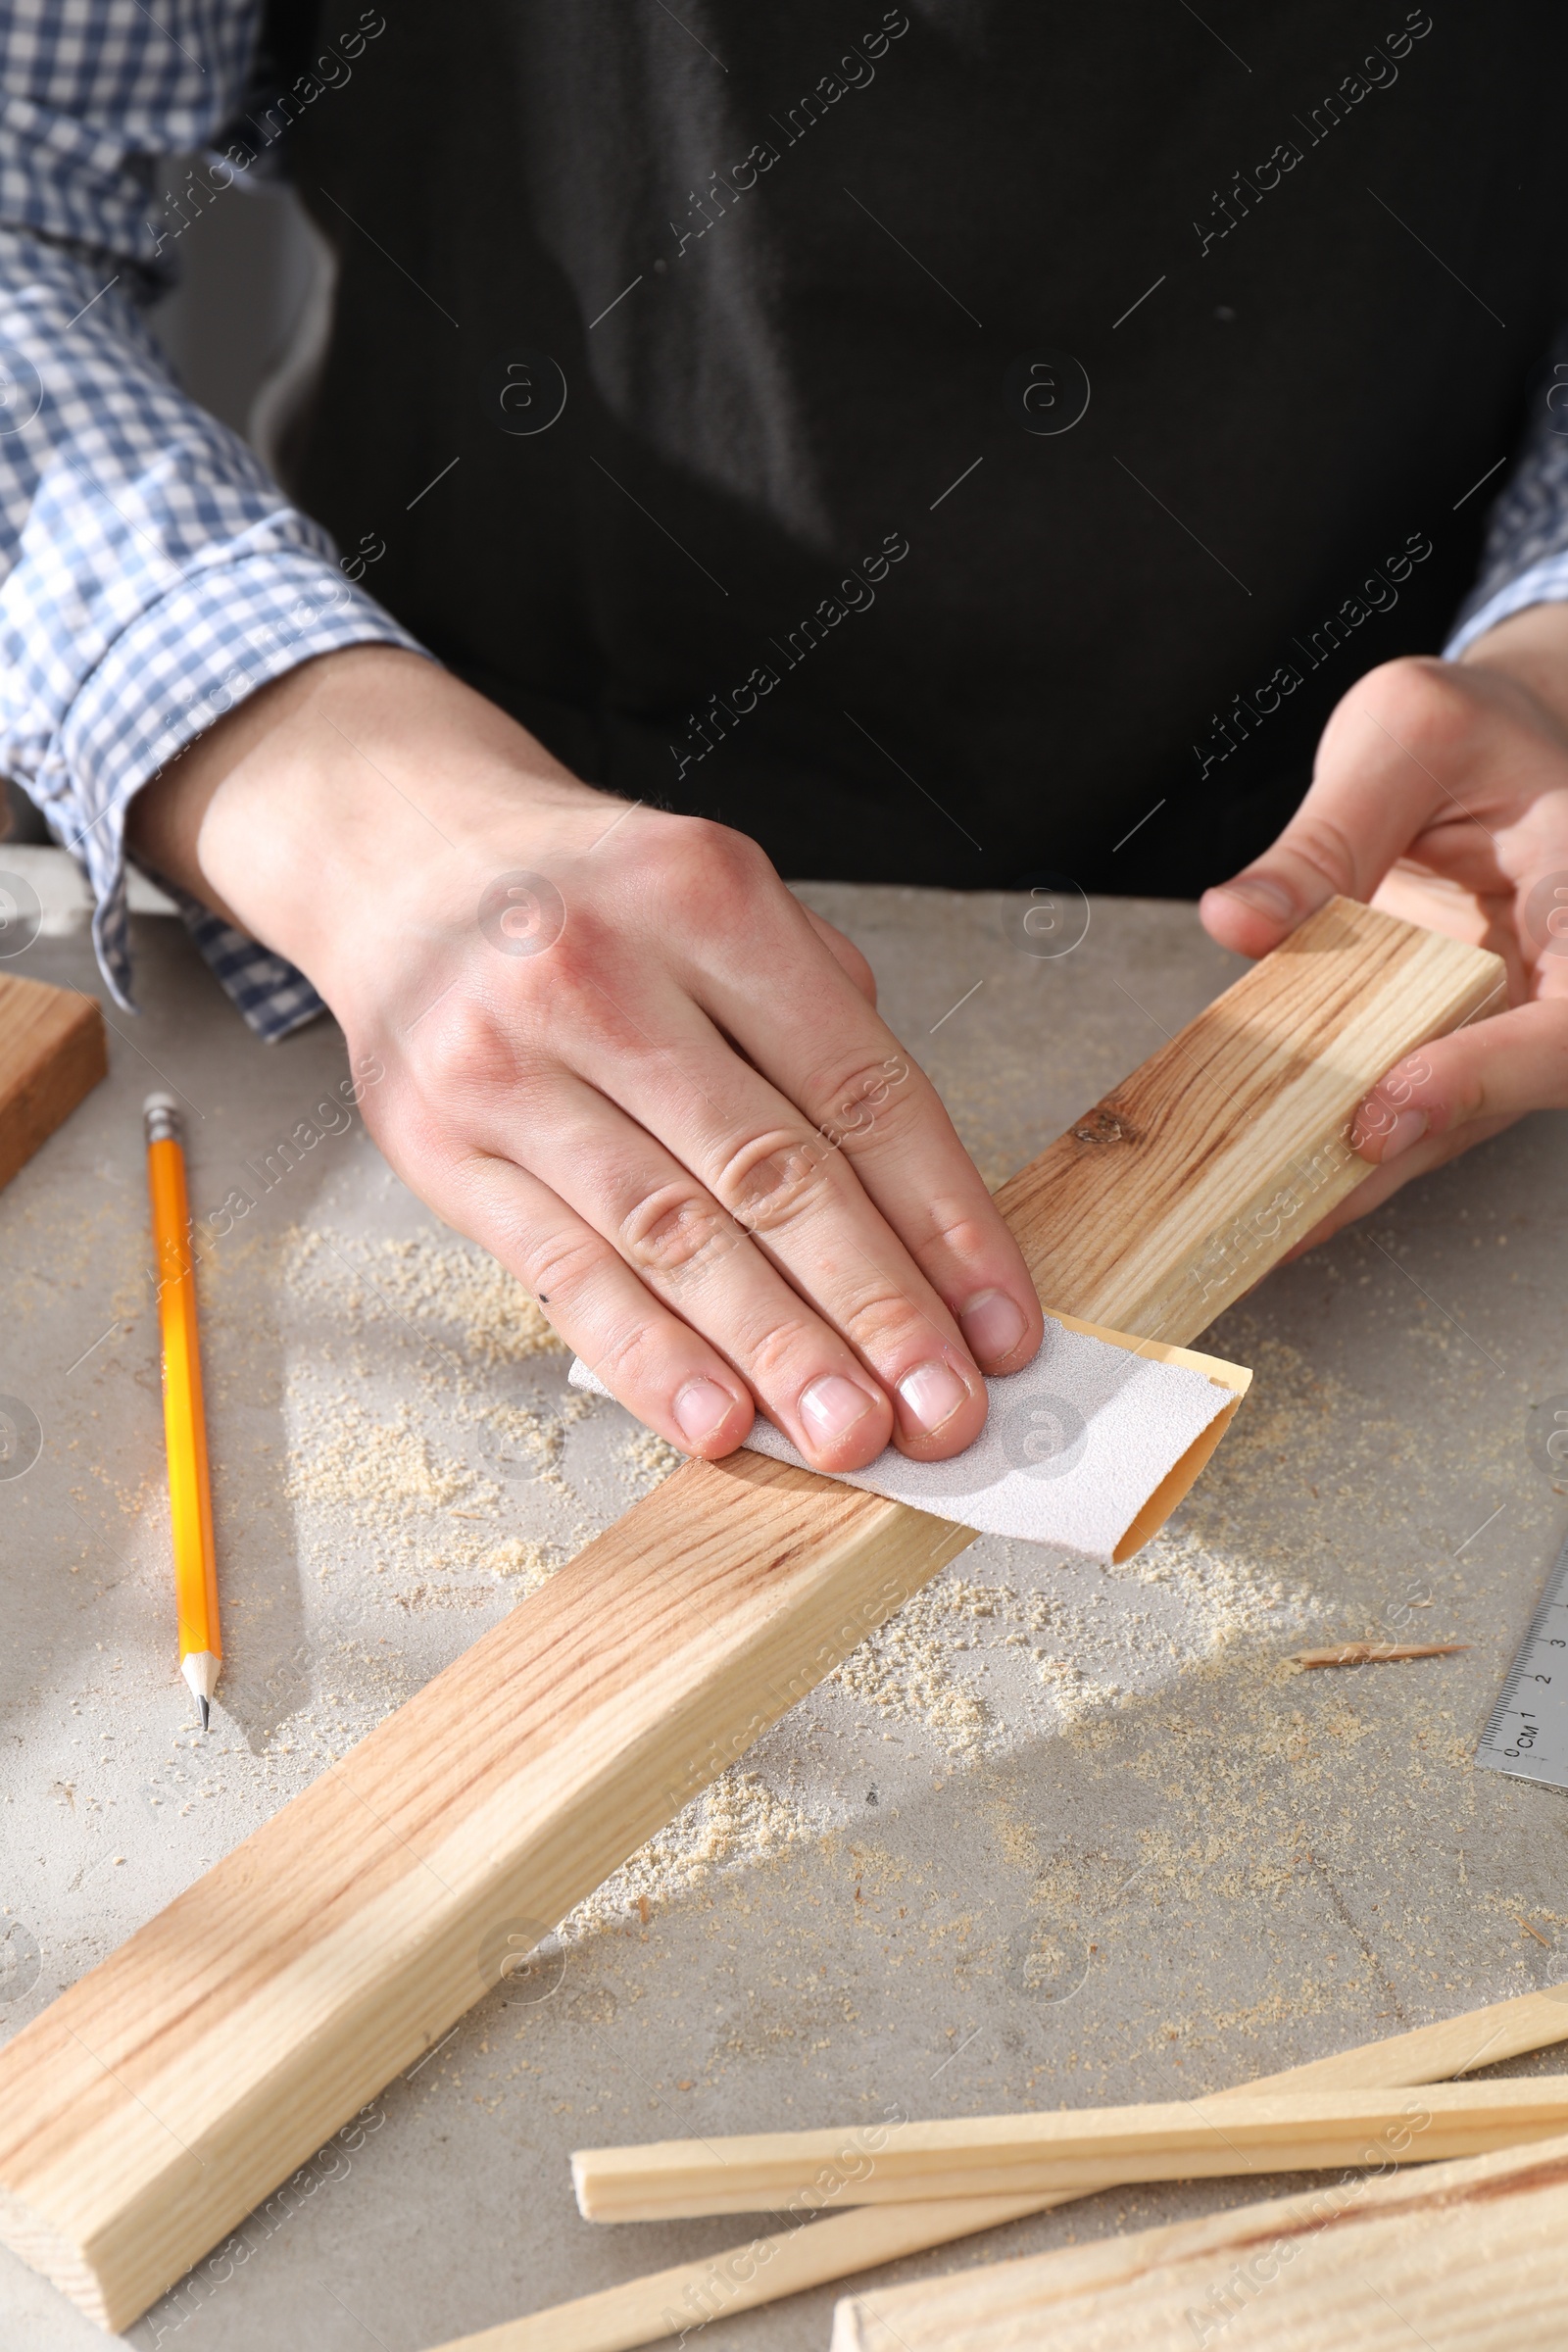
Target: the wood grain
(1463, 2257)
(153, 2104)
(1075, 2149)
(161, 2098)
(1169, 1199)
(52, 1052)
(759, 2270)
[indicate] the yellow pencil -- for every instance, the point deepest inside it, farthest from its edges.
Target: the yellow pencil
(190, 1501)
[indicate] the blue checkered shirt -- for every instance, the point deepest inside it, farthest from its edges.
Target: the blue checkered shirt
(152, 574)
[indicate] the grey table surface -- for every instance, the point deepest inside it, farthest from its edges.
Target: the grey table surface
(1058, 1836)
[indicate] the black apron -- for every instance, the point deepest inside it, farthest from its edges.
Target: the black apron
(932, 439)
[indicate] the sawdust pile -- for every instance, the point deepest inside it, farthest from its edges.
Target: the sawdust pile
(647, 1456)
(383, 1474)
(451, 1284)
(904, 1669)
(974, 1665)
(736, 1823)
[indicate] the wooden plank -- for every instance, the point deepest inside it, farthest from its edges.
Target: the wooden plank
(740, 2277)
(164, 2096)
(52, 1052)
(158, 2101)
(1188, 1181)
(1077, 2149)
(1463, 2257)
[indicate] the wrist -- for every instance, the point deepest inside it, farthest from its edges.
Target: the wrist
(1531, 648)
(365, 800)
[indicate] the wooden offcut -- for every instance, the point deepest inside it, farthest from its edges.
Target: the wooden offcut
(165, 2094)
(52, 1052)
(1462, 2257)
(760, 2270)
(1375, 1654)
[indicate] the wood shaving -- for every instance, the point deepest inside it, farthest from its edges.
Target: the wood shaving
(1375, 1654)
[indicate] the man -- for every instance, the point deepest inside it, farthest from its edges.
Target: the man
(956, 444)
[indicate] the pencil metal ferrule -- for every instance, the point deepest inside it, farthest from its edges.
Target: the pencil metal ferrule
(161, 1115)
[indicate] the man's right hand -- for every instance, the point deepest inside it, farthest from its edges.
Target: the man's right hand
(620, 1054)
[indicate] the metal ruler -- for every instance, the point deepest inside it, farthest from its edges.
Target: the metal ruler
(1526, 1733)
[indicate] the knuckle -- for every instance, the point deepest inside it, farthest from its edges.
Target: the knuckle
(882, 1323)
(1425, 703)
(582, 951)
(673, 1229)
(561, 1266)
(867, 1096)
(1326, 848)
(772, 1181)
(1467, 1099)
(463, 1049)
(955, 1232)
(632, 1357)
(776, 1352)
(713, 872)
(859, 968)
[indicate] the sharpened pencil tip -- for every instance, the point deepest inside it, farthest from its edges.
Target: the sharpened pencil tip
(207, 1712)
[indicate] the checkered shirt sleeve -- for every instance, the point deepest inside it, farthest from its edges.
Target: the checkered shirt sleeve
(152, 574)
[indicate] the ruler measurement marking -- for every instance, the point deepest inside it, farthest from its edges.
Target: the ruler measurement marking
(1537, 1750)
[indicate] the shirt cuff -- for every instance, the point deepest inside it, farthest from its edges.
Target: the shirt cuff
(1544, 583)
(224, 631)
(274, 997)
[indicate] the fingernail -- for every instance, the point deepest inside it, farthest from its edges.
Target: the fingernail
(992, 1324)
(831, 1405)
(700, 1408)
(1265, 896)
(1407, 1129)
(931, 1394)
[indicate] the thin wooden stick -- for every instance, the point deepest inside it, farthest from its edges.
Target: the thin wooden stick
(1463, 2257)
(165, 2095)
(1078, 2148)
(689, 2294)
(1375, 1654)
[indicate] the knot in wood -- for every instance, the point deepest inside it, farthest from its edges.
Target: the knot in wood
(1102, 1126)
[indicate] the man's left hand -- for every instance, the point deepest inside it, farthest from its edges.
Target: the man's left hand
(1440, 794)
